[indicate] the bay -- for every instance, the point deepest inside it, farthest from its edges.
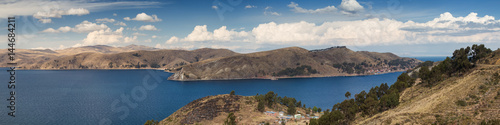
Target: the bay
(123, 96)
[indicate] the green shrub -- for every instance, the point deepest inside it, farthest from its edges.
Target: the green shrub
(461, 103)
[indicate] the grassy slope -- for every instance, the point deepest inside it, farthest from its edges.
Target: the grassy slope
(421, 105)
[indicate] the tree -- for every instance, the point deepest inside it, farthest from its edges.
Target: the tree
(232, 93)
(151, 122)
(230, 120)
(319, 109)
(291, 109)
(478, 52)
(269, 98)
(260, 106)
(460, 61)
(315, 109)
(347, 94)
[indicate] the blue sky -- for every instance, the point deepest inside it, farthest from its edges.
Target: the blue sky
(404, 27)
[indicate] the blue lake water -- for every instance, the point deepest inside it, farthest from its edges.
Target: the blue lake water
(134, 96)
(431, 58)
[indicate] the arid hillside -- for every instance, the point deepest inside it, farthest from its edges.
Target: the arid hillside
(107, 57)
(214, 110)
(465, 93)
(294, 62)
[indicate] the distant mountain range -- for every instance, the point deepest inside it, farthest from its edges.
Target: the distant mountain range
(294, 62)
(108, 57)
(216, 64)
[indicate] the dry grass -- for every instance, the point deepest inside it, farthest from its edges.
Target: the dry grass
(423, 105)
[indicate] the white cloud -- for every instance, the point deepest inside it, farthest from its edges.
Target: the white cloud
(103, 37)
(105, 20)
(200, 33)
(375, 31)
(64, 29)
(61, 29)
(350, 7)
(154, 36)
(45, 20)
(250, 6)
(130, 39)
(144, 17)
(114, 14)
(44, 16)
(138, 34)
(215, 7)
(267, 11)
(148, 41)
(50, 30)
(30, 7)
(120, 24)
(87, 26)
(295, 8)
(172, 40)
(147, 27)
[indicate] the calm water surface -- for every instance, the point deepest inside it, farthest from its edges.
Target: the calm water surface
(134, 96)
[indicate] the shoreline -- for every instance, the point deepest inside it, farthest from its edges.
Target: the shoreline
(277, 78)
(88, 69)
(254, 78)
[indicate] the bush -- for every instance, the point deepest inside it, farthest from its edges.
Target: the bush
(291, 109)
(461, 103)
(261, 107)
(230, 120)
(232, 93)
(151, 122)
(301, 70)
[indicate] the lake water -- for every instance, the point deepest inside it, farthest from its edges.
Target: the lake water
(134, 96)
(431, 58)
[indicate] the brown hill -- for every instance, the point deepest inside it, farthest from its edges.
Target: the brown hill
(335, 61)
(471, 98)
(107, 57)
(213, 110)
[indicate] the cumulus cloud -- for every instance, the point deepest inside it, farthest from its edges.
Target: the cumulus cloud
(44, 16)
(61, 29)
(87, 26)
(375, 31)
(250, 6)
(138, 34)
(147, 27)
(350, 7)
(172, 40)
(144, 17)
(200, 33)
(130, 39)
(105, 20)
(83, 27)
(215, 7)
(120, 24)
(50, 30)
(103, 37)
(64, 29)
(54, 7)
(297, 9)
(154, 36)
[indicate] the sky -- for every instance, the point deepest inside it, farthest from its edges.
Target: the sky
(404, 27)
